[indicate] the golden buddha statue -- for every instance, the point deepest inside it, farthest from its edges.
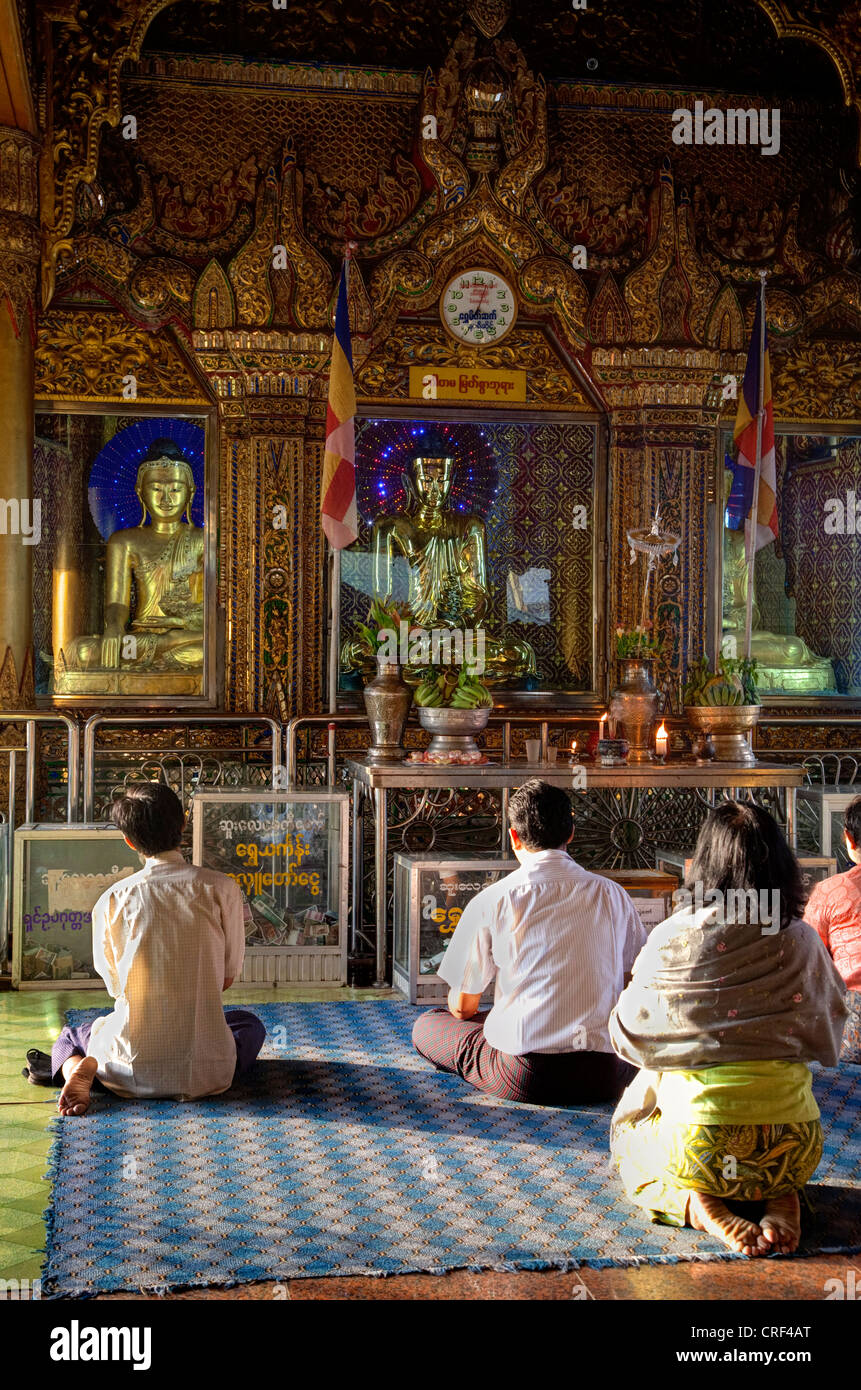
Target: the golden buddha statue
(785, 663)
(446, 556)
(161, 563)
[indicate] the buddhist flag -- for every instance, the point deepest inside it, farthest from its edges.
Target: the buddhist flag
(339, 516)
(740, 500)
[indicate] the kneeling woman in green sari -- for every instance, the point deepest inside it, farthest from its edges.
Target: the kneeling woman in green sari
(729, 1000)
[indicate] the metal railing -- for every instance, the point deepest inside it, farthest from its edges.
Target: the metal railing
(32, 720)
(99, 722)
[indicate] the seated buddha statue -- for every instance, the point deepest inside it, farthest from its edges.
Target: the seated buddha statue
(161, 565)
(446, 557)
(785, 663)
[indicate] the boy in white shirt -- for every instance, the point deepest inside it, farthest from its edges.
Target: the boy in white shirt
(167, 941)
(559, 942)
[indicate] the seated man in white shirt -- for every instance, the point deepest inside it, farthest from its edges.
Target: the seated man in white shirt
(559, 943)
(166, 941)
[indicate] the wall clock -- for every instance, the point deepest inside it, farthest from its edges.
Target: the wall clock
(478, 306)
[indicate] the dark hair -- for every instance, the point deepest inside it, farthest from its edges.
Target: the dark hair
(741, 847)
(150, 815)
(164, 449)
(541, 815)
(852, 821)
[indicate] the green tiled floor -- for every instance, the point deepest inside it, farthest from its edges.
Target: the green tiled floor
(33, 1019)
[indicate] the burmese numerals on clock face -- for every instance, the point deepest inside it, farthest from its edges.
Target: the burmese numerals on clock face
(478, 306)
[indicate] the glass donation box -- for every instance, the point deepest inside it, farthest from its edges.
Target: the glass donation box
(820, 821)
(59, 873)
(430, 893)
(650, 890)
(814, 868)
(288, 853)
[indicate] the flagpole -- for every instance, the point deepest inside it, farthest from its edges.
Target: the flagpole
(754, 506)
(335, 553)
(335, 629)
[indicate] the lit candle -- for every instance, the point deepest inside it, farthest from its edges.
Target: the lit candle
(573, 758)
(661, 742)
(601, 723)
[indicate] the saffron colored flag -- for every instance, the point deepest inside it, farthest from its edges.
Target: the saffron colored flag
(740, 501)
(340, 521)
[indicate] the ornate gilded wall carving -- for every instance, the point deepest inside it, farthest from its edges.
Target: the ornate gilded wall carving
(384, 375)
(86, 356)
(176, 230)
(19, 231)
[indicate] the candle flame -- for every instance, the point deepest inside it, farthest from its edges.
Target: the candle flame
(662, 733)
(573, 745)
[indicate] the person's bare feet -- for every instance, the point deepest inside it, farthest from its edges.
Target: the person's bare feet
(74, 1098)
(711, 1214)
(781, 1223)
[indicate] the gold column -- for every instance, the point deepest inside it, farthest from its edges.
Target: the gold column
(19, 265)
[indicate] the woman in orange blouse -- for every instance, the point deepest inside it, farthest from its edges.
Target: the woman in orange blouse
(834, 909)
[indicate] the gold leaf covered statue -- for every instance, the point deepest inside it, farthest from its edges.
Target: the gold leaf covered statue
(446, 555)
(153, 616)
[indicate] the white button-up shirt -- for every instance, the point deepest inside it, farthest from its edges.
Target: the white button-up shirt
(164, 941)
(559, 942)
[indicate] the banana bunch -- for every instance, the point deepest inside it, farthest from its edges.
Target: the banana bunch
(733, 683)
(430, 692)
(723, 690)
(469, 693)
(452, 689)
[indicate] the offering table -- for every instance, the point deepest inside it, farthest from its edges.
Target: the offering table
(377, 781)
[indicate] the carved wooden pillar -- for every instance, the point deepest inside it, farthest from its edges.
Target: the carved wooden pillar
(271, 547)
(20, 519)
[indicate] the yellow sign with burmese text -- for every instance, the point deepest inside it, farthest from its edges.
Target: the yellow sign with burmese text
(471, 384)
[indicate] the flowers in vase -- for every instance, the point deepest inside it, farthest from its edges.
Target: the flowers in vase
(638, 642)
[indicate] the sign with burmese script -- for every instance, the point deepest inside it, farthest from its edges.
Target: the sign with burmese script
(471, 384)
(284, 854)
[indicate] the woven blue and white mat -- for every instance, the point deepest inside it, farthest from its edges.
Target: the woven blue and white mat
(344, 1152)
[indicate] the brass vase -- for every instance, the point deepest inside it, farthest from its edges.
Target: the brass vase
(387, 701)
(634, 703)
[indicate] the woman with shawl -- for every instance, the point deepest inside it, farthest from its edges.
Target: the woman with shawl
(728, 1001)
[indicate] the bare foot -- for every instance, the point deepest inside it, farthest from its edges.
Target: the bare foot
(711, 1214)
(75, 1096)
(781, 1223)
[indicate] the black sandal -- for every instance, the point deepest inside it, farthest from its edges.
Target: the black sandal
(38, 1070)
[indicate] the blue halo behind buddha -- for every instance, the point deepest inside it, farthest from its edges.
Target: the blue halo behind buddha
(385, 450)
(111, 492)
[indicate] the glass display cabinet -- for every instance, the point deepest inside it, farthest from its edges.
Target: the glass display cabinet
(651, 891)
(820, 814)
(674, 861)
(124, 580)
(461, 535)
(430, 893)
(288, 851)
(814, 868)
(805, 636)
(59, 873)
